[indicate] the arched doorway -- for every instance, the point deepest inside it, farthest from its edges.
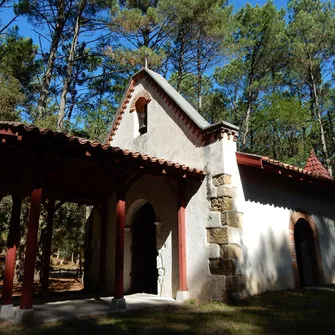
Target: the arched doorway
(144, 272)
(305, 253)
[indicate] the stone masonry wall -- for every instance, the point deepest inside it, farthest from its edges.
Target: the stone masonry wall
(225, 258)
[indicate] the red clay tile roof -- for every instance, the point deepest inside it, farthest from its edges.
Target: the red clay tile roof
(266, 162)
(15, 127)
(315, 166)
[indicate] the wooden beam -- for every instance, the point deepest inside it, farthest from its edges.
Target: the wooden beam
(12, 243)
(103, 243)
(119, 242)
(182, 239)
(31, 250)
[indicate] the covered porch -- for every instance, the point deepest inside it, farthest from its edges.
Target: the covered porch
(52, 168)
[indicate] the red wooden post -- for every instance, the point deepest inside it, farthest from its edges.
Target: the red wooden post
(119, 243)
(12, 242)
(103, 243)
(182, 242)
(31, 249)
(48, 244)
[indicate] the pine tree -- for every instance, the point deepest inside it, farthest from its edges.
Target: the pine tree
(312, 35)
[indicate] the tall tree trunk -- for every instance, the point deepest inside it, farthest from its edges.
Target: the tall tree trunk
(274, 142)
(331, 125)
(311, 102)
(73, 92)
(199, 74)
(182, 42)
(60, 23)
(247, 120)
(69, 69)
(322, 132)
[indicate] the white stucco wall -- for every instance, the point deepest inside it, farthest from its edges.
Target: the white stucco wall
(94, 247)
(167, 136)
(268, 207)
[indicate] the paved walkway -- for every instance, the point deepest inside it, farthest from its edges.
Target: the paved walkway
(322, 288)
(70, 309)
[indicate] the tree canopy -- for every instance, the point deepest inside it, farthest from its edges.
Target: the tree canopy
(267, 70)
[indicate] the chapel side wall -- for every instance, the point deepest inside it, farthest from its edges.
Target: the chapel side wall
(267, 211)
(167, 134)
(94, 245)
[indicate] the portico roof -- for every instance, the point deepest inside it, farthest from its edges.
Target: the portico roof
(71, 168)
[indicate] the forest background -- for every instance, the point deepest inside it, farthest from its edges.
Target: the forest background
(64, 65)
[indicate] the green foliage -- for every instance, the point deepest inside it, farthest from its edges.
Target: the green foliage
(69, 229)
(10, 98)
(139, 23)
(188, 84)
(260, 47)
(312, 47)
(281, 129)
(18, 68)
(5, 213)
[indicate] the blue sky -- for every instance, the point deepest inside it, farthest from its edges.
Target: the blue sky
(240, 3)
(26, 29)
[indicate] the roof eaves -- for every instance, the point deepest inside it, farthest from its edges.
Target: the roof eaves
(219, 126)
(249, 159)
(118, 112)
(268, 164)
(96, 145)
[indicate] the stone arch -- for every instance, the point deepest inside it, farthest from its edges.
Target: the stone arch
(144, 96)
(162, 198)
(297, 215)
(137, 204)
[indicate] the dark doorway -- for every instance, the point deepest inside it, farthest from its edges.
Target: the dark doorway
(306, 255)
(144, 272)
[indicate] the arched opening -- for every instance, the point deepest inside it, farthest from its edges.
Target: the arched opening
(305, 253)
(141, 107)
(144, 272)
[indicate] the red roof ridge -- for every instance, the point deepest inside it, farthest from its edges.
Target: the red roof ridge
(314, 165)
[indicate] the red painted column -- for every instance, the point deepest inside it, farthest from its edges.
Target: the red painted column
(31, 249)
(182, 240)
(103, 243)
(12, 242)
(119, 243)
(48, 244)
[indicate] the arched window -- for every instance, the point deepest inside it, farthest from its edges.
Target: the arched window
(141, 107)
(305, 250)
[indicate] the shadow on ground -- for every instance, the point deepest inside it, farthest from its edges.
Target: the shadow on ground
(293, 312)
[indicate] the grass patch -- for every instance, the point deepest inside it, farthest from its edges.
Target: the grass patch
(292, 312)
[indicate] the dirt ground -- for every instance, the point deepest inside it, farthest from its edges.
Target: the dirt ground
(55, 285)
